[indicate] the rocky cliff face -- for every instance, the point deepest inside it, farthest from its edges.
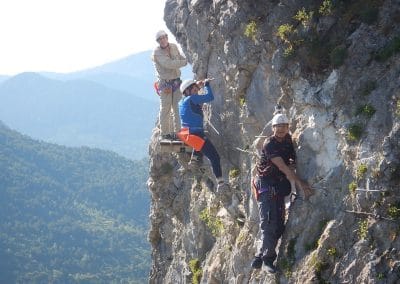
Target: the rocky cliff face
(335, 67)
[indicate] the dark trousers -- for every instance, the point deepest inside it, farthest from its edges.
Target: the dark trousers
(211, 153)
(272, 222)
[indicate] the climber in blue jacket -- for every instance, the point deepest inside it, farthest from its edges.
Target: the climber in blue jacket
(192, 134)
(191, 114)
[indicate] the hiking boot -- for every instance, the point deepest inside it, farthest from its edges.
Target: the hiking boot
(170, 136)
(269, 265)
(205, 171)
(166, 137)
(175, 137)
(196, 161)
(210, 184)
(257, 262)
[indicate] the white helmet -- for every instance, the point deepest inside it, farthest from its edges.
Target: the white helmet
(280, 119)
(186, 84)
(160, 34)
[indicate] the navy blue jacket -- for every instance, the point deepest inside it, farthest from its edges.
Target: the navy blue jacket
(273, 148)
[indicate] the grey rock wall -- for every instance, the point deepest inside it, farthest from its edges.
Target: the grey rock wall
(338, 235)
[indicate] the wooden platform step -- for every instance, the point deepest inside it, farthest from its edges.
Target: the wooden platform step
(174, 146)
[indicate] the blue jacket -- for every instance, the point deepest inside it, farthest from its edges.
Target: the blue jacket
(191, 112)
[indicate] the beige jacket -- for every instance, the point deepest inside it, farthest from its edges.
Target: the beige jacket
(167, 62)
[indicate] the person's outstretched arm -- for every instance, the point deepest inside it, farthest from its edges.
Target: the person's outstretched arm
(207, 97)
(291, 176)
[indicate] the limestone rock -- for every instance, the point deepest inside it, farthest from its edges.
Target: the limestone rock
(344, 106)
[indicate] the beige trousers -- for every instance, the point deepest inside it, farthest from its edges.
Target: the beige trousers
(169, 102)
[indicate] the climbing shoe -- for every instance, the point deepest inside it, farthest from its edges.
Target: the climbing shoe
(257, 262)
(269, 265)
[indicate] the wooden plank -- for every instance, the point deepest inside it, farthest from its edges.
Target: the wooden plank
(171, 142)
(169, 146)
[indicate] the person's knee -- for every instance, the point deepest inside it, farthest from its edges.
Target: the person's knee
(213, 154)
(266, 225)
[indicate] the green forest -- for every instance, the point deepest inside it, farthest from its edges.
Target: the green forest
(71, 215)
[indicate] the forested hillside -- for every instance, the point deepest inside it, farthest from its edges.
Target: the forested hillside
(70, 214)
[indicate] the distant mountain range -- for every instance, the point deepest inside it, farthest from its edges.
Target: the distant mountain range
(133, 74)
(71, 215)
(113, 106)
(3, 78)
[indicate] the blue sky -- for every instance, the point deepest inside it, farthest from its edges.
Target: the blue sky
(70, 35)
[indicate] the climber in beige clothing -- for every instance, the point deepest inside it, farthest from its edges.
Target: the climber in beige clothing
(167, 62)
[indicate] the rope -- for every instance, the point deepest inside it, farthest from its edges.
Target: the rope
(253, 153)
(370, 190)
(207, 117)
(376, 216)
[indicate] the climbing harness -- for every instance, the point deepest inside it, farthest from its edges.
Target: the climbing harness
(190, 139)
(168, 86)
(156, 87)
